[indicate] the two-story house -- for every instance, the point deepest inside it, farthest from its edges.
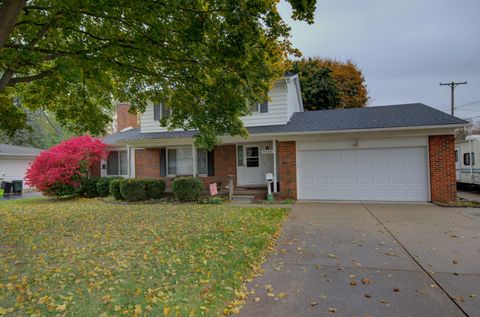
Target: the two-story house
(388, 153)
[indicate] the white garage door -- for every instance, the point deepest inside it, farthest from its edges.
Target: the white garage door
(14, 168)
(388, 174)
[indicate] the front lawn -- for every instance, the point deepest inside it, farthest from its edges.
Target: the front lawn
(89, 258)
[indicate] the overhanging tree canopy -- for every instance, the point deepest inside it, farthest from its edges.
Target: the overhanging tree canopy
(206, 59)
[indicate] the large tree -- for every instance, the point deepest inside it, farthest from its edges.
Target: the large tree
(329, 83)
(207, 59)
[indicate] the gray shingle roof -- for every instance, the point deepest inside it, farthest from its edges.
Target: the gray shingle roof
(382, 117)
(7, 149)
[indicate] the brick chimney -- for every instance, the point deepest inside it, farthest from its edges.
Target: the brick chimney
(124, 118)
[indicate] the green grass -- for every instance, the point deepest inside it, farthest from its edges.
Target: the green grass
(90, 258)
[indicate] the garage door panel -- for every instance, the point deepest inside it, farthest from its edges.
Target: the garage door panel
(394, 174)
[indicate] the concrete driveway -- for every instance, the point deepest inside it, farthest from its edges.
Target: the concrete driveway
(371, 259)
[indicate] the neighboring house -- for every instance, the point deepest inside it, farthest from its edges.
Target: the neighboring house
(388, 153)
(14, 161)
(467, 152)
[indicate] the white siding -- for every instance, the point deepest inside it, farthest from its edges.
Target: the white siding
(13, 168)
(277, 108)
(292, 98)
(283, 102)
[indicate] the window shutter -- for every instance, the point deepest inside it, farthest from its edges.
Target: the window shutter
(165, 111)
(163, 162)
(211, 163)
(156, 112)
(264, 106)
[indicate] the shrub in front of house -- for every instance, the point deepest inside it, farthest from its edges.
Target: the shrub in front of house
(133, 189)
(103, 185)
(187, 188)
(154, 188)
(114, 187)
(88, 187)
(61, 170)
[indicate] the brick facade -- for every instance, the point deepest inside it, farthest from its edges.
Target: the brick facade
(287, 168)
(125, 119)
(147, 163)
(441, 152)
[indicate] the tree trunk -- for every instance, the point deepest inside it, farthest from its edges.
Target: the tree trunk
(9, 12)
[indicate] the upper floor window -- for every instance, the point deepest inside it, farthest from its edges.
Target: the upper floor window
(117, 163)
(260, 107)
(160, 111)
(469, 159)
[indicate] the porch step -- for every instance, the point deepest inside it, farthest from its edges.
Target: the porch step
(243, 199)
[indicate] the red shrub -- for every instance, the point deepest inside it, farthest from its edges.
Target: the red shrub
(59, 170)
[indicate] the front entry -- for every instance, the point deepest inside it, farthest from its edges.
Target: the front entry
(253, 163)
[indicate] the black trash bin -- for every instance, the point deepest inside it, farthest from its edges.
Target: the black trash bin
(7, 187)
(17, 186)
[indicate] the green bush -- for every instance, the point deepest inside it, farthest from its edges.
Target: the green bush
(154, 188)
(103, 185)
(133, 189)
(88, 187)
(115, 189)
(187, 188)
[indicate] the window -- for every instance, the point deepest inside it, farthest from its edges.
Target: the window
(117, 163)
(161, 111)
(252, 156)
(240, 155)
(202, 162)
(180, 161)
(469, 158)
(259, 107)
(456, 156)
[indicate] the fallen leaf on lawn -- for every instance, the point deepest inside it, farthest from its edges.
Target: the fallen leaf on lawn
(332, 310)
(61, 308)
(458, 298)
(318, 266)
(352, 276)
(299, 249)
(3, 311)
(384, 301)
(313, 303)
(473, 295)
(368, 295)
(282, 295)
(332, 256)
(455, 262)
(117, 308)
(390, 253)
(396, 289)
(365, 281)
(353, 283)
(433, 285)
(256, 299)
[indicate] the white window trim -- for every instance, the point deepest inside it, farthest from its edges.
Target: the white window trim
(194, 161)
(119, 165)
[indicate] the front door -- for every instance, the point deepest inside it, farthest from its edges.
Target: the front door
(249, 167)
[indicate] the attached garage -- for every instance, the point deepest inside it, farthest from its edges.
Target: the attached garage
(371, 170)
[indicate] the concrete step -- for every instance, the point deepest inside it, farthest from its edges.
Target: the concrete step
(244, 199)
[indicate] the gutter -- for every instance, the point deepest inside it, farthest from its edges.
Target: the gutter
(299, 133)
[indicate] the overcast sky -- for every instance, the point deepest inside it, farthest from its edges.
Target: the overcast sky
(404, 48)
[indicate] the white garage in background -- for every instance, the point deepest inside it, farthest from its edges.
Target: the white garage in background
(14, 161)
(394, 169)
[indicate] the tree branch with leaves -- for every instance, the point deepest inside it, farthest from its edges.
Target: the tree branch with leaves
(205, 59)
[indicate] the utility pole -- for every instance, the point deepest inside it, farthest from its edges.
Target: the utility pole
(452, 88)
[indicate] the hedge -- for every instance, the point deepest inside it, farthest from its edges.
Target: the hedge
(133, 189)
(103, 185)
(154, 188)
(88, 187)
(115, 189)
(187, 188)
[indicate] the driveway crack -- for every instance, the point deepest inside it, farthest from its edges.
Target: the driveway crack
(415, 260)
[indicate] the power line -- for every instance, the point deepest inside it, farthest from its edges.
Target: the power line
(452, 86)
(468, 104)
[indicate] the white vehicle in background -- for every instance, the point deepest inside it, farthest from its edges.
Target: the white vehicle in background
(467, 154)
